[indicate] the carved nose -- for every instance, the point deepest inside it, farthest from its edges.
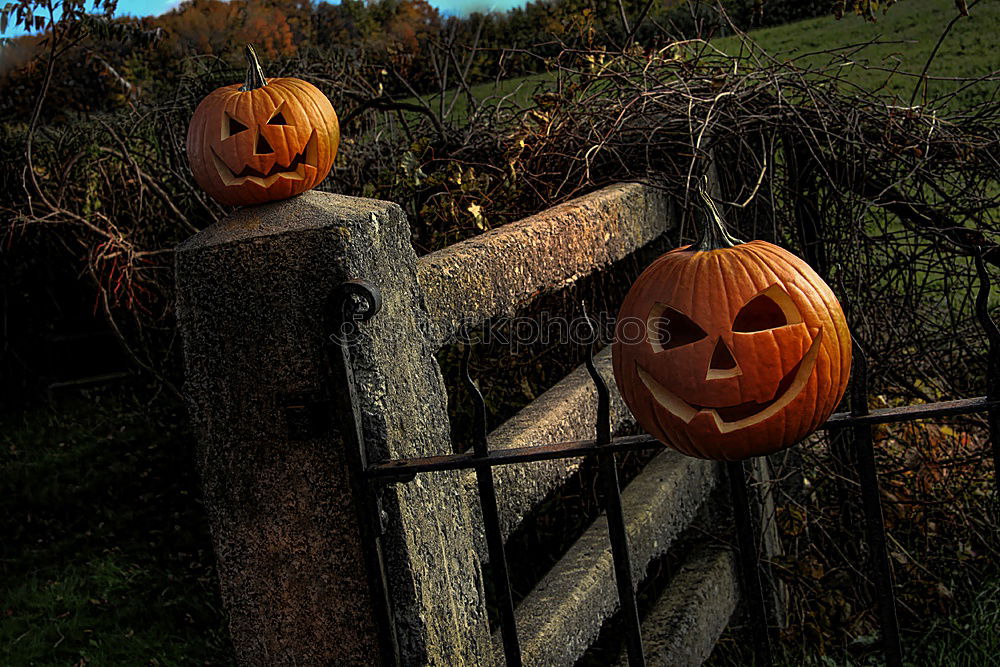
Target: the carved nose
(723, 365)
(263, 148)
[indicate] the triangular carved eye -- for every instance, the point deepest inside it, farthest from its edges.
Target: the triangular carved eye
(667, 328)
(235, 126)
(770, 309)
(277, 119)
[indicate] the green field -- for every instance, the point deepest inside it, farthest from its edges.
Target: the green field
(905, 38)
(517, 90)
(886, 56)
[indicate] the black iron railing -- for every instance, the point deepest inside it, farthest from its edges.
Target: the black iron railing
(356, 301)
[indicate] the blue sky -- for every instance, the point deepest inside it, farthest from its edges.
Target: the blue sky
(157, 7)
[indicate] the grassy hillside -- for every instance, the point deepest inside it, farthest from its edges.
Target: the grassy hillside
(903, 40)
(906, 37)
(518, 90)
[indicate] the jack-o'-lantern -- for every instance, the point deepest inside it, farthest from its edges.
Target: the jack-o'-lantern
(262, 140)
(725, 350)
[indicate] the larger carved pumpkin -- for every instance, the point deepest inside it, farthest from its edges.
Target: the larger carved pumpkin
(262, 140)
(726, 350)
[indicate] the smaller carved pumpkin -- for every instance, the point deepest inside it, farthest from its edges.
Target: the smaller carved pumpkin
(263, 140)
(725, 350)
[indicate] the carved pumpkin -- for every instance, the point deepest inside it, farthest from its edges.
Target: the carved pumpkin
(725, 350)
(263, 140)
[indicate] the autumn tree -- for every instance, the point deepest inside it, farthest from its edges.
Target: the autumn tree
(221, 28)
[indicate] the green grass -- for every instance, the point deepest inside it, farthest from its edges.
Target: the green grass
(968, 639)
(106, 558)
(518, 91)
(969, 50)
(906, 36)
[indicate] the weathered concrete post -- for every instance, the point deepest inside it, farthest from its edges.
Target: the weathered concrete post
(251, 291)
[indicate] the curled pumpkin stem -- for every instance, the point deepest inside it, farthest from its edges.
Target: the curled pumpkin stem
(255, 75)
(714, 234)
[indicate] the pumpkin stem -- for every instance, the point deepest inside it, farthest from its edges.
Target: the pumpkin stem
(255, 75)
(714, 234)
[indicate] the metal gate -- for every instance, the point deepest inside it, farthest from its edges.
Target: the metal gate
(356, 301)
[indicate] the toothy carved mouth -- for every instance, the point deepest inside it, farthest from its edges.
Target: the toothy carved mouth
(734, 417)
(294, 170)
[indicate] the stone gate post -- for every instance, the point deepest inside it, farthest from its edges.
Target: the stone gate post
(288, 542)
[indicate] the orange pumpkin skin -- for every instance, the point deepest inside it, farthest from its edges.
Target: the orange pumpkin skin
(732, 380)
(272, 141)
